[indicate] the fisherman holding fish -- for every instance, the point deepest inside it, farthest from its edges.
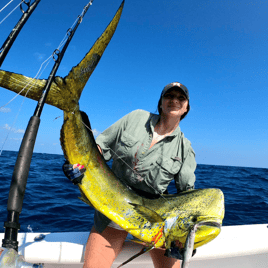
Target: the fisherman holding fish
(148, 152)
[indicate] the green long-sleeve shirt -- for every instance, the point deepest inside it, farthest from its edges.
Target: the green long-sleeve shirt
(151, 170)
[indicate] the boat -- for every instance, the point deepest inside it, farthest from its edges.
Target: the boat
(240, 246)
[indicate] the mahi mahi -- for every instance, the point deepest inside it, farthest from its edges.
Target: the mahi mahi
(155, 222)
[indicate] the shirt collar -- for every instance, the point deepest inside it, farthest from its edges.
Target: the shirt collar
(154, 119)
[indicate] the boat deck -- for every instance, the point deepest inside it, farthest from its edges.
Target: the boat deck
(242, 246)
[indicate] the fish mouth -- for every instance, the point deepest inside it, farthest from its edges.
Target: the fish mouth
(210, 223)
(206, 232)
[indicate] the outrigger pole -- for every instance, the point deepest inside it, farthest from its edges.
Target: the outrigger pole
(22, 166)
(15, 32)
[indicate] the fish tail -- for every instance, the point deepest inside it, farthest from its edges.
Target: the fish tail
(64, 92)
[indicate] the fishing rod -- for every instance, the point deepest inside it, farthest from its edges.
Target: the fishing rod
(22, 166)
(14, 33)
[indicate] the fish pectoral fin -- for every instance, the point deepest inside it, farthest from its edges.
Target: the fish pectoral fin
(144, 250)
(147, 213)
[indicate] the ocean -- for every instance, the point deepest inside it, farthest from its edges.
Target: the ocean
(51, 204)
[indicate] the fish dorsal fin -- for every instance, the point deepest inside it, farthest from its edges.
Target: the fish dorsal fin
(147, 213)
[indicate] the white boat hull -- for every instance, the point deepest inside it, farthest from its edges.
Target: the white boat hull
(242, 246)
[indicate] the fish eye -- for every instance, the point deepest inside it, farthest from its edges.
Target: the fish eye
(194, 219)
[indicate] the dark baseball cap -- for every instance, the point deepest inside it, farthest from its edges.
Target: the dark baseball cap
(176, 84)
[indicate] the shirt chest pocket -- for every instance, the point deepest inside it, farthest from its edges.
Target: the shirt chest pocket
(126, 143)
(128, 140)
(170, 165)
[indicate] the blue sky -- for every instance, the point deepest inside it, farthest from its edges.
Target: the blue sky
(218, 49)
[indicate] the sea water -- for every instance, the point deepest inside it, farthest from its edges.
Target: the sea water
(51, 204)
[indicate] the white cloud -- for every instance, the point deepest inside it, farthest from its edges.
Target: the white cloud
(5, 110)
(95, 132)
(16, 139)
(6, 126)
